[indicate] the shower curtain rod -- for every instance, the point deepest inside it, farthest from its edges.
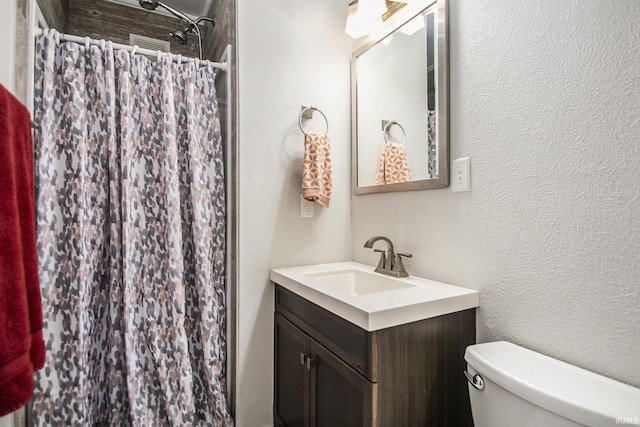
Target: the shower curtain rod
(133, 49)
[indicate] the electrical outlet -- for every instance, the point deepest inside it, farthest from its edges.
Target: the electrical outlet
(306, 208)
(461, 175)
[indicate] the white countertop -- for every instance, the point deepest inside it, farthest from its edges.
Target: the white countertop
(379, 310)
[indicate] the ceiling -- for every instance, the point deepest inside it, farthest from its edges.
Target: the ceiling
(193, 8)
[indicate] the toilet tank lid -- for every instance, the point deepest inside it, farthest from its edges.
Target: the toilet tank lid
(561, 388)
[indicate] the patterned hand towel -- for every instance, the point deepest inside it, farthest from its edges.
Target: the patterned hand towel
(316, 171)
(393, 166)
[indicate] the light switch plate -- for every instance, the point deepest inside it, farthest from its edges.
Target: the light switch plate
(461, 174)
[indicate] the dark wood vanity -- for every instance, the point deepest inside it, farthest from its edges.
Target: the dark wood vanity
(332, 373)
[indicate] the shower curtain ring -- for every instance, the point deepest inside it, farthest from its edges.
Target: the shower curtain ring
(179, 59)
(57, 37)
(102, 44)
(134, 49)
(197, 63)
(159, 55)
(87, 43)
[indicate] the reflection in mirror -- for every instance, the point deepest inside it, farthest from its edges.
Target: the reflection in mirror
(400, 109)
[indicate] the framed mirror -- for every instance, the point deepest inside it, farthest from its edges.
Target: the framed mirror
(399, 106)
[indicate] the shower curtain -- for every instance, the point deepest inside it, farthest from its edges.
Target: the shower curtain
(131, 244)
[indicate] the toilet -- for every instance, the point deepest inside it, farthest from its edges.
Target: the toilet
(513, 386)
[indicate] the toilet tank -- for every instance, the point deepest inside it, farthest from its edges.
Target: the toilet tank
(524, 388)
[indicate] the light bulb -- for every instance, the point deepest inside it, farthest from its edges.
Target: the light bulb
(356, 24)
(361, 16)
(372, 9)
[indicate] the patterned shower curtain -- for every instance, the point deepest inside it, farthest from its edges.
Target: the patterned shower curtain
(131, 244)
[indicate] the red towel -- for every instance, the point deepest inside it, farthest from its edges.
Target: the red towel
(21, 345)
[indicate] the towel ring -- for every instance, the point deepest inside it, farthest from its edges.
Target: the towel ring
(305, 115)
(385, 130)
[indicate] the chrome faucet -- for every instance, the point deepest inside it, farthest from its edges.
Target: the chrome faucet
(390, 263)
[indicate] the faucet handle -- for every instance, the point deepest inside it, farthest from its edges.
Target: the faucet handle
(399, 265)
(383, 259)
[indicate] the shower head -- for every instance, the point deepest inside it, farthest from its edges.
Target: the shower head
(180, 36)
(153, 5)
(149, 4)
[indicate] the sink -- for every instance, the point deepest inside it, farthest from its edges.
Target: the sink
(357, 282)
(372, 300)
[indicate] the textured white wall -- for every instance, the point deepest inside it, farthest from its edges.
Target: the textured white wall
(290, 53)
(7, 52)
(545, 98)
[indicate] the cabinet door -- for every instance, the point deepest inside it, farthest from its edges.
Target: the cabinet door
(340, 396)
(291, 400)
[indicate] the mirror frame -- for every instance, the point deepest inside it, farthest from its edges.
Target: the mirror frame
(442, 97)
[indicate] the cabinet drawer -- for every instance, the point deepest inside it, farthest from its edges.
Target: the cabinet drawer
(349, 342)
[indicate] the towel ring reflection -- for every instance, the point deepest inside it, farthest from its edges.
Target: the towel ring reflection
(386, 125)
(308, 115)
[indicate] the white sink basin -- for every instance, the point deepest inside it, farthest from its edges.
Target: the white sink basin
(372, 300)
(356, 282)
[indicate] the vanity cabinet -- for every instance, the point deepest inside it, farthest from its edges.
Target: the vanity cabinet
(314, 384)
(330, 372)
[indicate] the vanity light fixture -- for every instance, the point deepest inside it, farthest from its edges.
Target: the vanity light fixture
(362, 14)
(355, 27)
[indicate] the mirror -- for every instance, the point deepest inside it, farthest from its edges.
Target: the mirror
(400, 107)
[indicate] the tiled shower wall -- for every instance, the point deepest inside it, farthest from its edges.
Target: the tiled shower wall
(56, 13)
(224, 32)
(111, 21)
